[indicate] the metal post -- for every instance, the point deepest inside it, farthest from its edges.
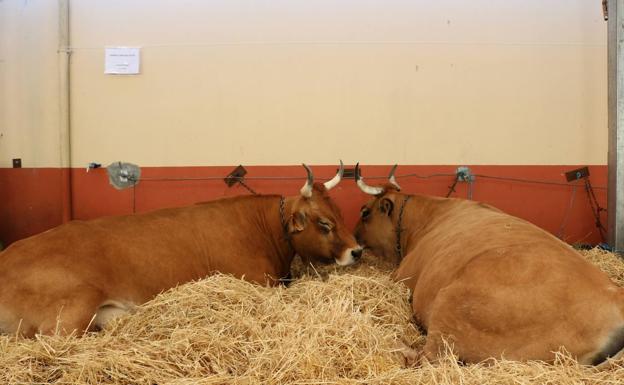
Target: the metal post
(616, 123)
(64, 56)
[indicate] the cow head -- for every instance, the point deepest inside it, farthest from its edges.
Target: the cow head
(377, 226)
(315, 226)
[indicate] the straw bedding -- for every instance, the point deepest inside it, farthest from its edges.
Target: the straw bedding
(334, 326)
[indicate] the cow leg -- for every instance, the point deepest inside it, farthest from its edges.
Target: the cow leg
(435, 347)
(611, 362)
(445, 327)
(412, 357)
(431, 353)
(76, 312)
(110, 310)
(419, 325)
(10, 323)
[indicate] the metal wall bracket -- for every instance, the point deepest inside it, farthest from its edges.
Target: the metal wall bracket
(235, 176)
(464, 174)
(348, 173)
(123, 175)
(577, 174)
(238, 176)
(93, 165)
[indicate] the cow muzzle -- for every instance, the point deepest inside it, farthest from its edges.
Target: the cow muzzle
(350, 256)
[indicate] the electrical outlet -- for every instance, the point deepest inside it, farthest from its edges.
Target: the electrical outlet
(348, 173)
(577, 174)
(236, 175)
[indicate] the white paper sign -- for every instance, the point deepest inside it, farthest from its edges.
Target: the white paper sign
(122, 60)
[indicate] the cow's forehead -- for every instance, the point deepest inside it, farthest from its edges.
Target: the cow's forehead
(323, 206)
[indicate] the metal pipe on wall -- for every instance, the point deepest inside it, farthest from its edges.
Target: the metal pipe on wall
(64, 57)
(616, 123)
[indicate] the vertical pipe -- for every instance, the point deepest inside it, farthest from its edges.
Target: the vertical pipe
(64, 57)
(616, 123)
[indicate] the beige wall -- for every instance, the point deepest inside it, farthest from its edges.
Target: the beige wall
(29, 83)
(285, 81)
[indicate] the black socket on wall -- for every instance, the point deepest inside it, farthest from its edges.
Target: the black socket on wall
(17, 163)
(348, 173)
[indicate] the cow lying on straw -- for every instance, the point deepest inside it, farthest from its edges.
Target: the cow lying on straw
(491, 284)
(81, 275)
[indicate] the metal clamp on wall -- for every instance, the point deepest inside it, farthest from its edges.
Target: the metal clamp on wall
(123, 175)
(462, 174)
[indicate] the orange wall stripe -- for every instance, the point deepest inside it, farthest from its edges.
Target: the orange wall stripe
(32, 198)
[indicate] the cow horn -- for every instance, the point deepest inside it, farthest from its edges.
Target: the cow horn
(330, 184)
(306, 190)
(363, 186)
(392, 179)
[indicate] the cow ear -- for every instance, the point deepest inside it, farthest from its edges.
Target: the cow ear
(385, 206)
(296, 222)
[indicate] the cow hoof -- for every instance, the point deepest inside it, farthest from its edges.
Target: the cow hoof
(412, 357)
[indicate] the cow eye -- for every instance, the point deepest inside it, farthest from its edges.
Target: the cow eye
(325, 227)
(365, 212)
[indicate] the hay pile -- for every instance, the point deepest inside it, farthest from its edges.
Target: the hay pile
(330, 327)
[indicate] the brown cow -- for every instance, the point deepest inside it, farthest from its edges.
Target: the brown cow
(491, 284)
(84, 273)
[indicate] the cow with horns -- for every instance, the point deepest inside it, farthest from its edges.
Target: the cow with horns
(82, 274)
(490, 284)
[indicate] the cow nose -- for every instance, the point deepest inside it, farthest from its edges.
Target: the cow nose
(356, 253)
